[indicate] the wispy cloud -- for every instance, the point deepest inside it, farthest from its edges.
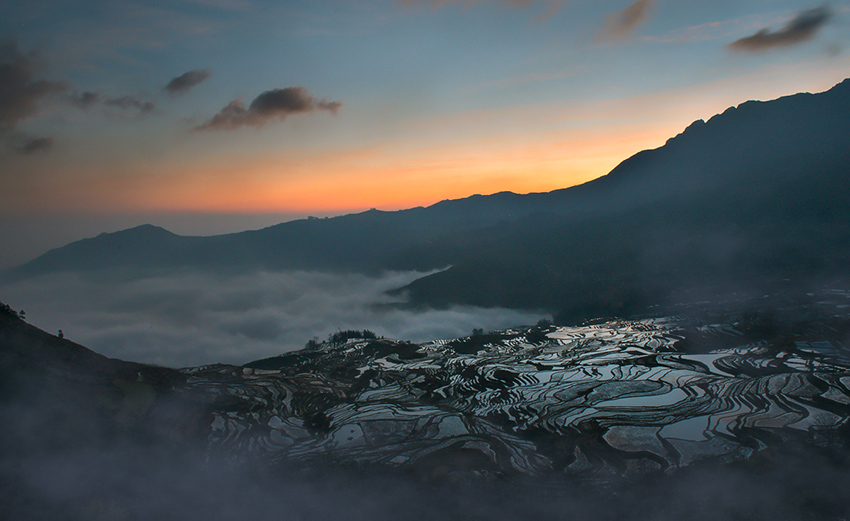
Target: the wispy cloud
(271, 105)
(115, 30)
(89, 99)
(801, 28)
(716, 30)
(85, 100)
(623, 23)
(34, 145)
(554, 7)
(130, 102)
(183, 83)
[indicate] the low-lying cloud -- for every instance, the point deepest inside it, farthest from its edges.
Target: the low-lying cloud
(271, 105)
(623, 23)
(193, 319)
(183, 83)
(801, 28)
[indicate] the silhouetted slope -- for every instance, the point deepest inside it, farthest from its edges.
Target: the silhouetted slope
(25, 349)
(57, 394)
(371, 241)
(791, 234)
(144, 245)
(753, 197)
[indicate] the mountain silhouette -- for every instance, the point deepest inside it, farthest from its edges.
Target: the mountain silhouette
(751, 200)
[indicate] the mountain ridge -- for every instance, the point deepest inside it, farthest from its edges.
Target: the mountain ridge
(760, 184)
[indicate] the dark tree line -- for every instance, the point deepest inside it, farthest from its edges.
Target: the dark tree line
(7, 310)
(341, 337)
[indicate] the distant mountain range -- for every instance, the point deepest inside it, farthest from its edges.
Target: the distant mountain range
(752, 199)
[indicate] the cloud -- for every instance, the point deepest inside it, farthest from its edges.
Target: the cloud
(34, 145)
(554, 7)
(707, 31)
(85, 100)
(801, 28)
(130, 102)
(191, 319)
(275, 104)
(623, 23)
(181, 84)
(20, 90)
(89, 99)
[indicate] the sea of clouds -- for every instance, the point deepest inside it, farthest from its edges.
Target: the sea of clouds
(188, 319)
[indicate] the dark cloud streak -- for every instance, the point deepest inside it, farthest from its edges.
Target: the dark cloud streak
(20, 90)
(85, 100)
(128, 102)
(34, 145)
(88, 99)
(275, 104)
(183, 83)
(801, 28)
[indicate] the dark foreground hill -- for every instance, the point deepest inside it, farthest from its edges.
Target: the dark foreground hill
(753, 200)
(698, 416)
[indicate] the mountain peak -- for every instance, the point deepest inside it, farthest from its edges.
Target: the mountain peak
(143, 230)
(841, 86)
(756, 109)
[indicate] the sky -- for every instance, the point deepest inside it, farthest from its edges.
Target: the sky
(213, 116)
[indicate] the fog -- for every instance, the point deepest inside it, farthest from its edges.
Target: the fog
(60, 458)
(189, 319)
(73, 472)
